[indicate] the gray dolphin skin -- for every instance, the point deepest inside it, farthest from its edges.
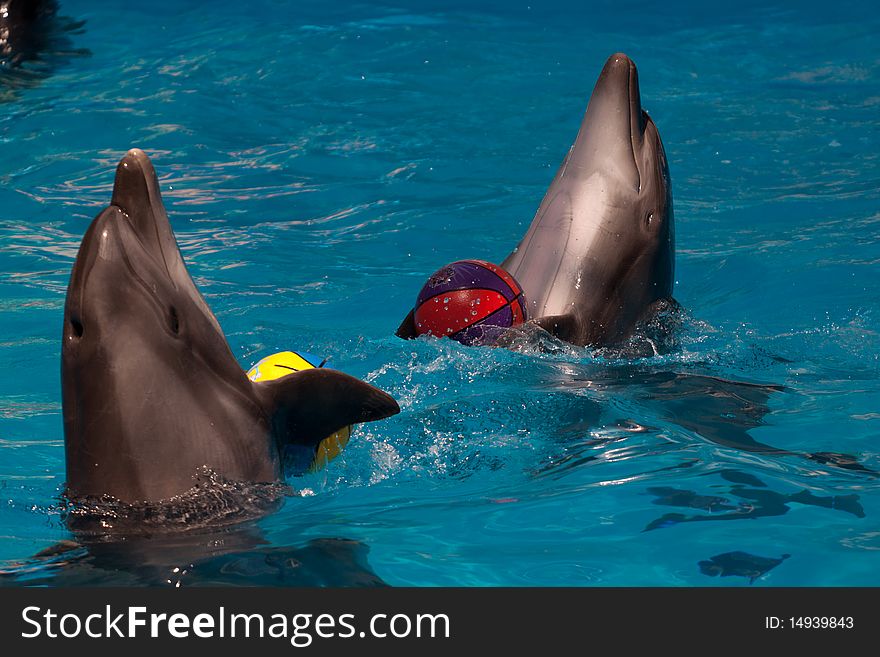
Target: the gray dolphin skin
(151, 392)
(600, 250)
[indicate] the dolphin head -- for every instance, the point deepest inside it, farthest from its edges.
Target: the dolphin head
(142, 355)
(600, 248)
(620, 142)
(151, 391)
(130, 291)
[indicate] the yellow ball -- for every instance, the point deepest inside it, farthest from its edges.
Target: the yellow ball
(288, 362)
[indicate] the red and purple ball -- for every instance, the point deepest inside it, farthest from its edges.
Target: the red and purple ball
(471, 301)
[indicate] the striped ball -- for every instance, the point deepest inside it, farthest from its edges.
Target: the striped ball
(471, 301)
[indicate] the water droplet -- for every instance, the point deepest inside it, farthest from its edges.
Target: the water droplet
(473, 312)
(446, 300)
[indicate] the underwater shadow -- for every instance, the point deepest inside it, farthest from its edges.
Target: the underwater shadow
(720, 411)
(755, 500)
(208, 536)
(229, 556)
(740, 564)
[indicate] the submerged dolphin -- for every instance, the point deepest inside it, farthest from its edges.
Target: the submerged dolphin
(599, 253)
(151, 392)
(600, 250)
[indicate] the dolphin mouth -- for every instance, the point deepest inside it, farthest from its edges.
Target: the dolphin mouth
(136, 194)
(635, 114)
(615, 114)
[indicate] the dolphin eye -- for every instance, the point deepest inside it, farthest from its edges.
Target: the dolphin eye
(174, 321)
(76, 326)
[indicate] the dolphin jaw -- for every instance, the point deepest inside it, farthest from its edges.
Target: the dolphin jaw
(611, 136)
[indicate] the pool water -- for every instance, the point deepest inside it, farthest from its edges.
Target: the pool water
(319, 160)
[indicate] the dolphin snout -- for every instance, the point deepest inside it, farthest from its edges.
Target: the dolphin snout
(136, 193)
(612, 131)
(619, 84)
(617, 75)
(132, 181)
(619, 62)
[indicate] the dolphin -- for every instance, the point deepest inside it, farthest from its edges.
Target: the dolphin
(151, 392)
(600, 251)
(599, 254)
(23, 29)
(34, 40)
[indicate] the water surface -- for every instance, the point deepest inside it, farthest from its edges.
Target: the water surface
(318, 161)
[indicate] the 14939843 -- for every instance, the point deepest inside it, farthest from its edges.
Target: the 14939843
(810, 622)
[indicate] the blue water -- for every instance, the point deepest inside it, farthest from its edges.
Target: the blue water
(318, 160)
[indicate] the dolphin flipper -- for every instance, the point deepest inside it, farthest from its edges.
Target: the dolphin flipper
(306, 407)
(407, 328)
